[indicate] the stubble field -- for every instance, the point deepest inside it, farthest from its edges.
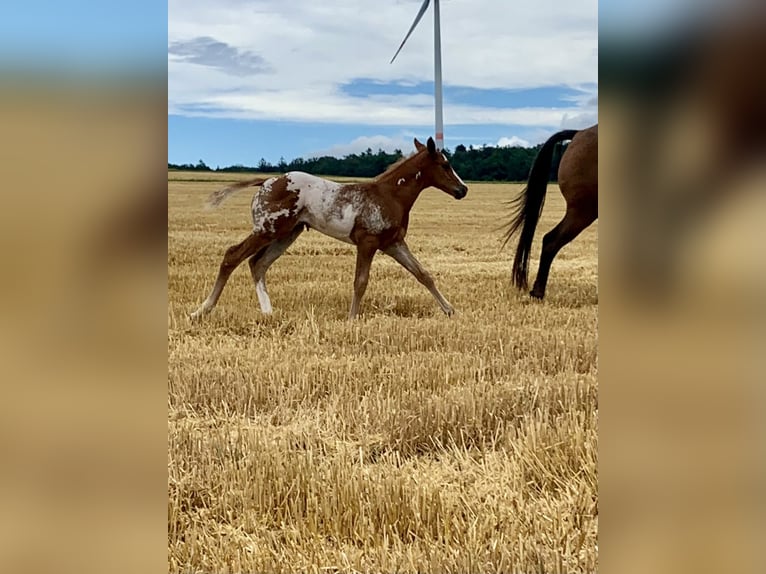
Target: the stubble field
(405, 441)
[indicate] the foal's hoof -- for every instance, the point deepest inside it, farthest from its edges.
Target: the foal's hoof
(534, 294)
(449, 312)
(198, 314)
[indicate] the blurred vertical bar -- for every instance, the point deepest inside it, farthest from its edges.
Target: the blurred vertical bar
(682, 322)
(83, 149)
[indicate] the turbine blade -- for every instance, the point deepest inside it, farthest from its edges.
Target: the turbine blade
(422, 11)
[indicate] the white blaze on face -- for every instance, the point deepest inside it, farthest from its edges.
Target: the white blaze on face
(457, 177)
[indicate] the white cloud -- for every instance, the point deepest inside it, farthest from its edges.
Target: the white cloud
(361, 144)
(512, 142)
(578, 121)
(310, 49)
(318, 106)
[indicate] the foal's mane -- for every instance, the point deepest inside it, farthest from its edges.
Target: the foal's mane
(394, 166)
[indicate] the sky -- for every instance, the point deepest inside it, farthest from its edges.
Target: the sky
(271, 79)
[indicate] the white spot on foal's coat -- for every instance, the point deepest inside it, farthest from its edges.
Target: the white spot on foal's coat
(318, 205)
(266, 220)
(401, 181)
(374, 220)
(263, 218)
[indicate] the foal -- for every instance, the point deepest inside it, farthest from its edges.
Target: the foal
(373, 216)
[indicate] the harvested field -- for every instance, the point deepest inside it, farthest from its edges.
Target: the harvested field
(405, 441)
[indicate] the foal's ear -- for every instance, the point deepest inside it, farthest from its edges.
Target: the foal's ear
(431, 146)
(418, 146)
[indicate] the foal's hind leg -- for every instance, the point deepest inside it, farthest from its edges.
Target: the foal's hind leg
(235, 255)
(261, 262)
(575, 220)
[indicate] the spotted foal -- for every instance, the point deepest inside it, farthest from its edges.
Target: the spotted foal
(372, 215)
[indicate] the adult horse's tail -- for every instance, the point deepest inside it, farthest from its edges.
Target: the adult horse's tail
(217, 197)
(529, 205)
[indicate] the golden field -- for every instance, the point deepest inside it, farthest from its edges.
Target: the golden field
(405, 441)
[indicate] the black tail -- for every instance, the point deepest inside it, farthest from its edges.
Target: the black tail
(529, 205)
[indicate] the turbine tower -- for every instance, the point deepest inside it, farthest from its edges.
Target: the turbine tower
(437, 67)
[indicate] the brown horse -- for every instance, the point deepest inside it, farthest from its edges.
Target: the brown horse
(578, 180)
(373, 216)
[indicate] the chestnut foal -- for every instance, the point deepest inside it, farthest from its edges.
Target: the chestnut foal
(373, 216)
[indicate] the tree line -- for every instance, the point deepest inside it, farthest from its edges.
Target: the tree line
(475, 164)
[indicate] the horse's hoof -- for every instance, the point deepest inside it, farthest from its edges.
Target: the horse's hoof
(535, 295)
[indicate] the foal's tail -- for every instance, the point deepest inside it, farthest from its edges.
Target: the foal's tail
(529, 205)
(217, 197)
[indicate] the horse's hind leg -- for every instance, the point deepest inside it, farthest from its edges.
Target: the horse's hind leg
(261, 262)
(575, 220)
(235, 255)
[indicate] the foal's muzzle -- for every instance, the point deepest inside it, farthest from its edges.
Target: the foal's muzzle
(461, 191)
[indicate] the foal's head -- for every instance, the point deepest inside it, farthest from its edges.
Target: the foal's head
(437, 171)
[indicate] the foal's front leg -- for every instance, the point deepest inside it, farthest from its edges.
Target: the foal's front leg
(364, 255)
(401, 253)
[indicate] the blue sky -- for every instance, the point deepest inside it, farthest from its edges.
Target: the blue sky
(251, 79)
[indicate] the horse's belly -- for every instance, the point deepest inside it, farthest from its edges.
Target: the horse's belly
(334, 223)
(324, 206)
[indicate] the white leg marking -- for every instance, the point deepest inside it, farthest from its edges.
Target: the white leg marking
(203, 309)
(263, 296)
(259, 267)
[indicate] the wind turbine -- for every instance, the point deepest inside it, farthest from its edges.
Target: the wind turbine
(437, 66)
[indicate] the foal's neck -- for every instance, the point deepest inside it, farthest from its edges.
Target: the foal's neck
(406, 185)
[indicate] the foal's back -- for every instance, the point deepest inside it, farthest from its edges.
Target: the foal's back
(331, 208)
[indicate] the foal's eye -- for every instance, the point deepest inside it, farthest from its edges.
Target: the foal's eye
(445, 166)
